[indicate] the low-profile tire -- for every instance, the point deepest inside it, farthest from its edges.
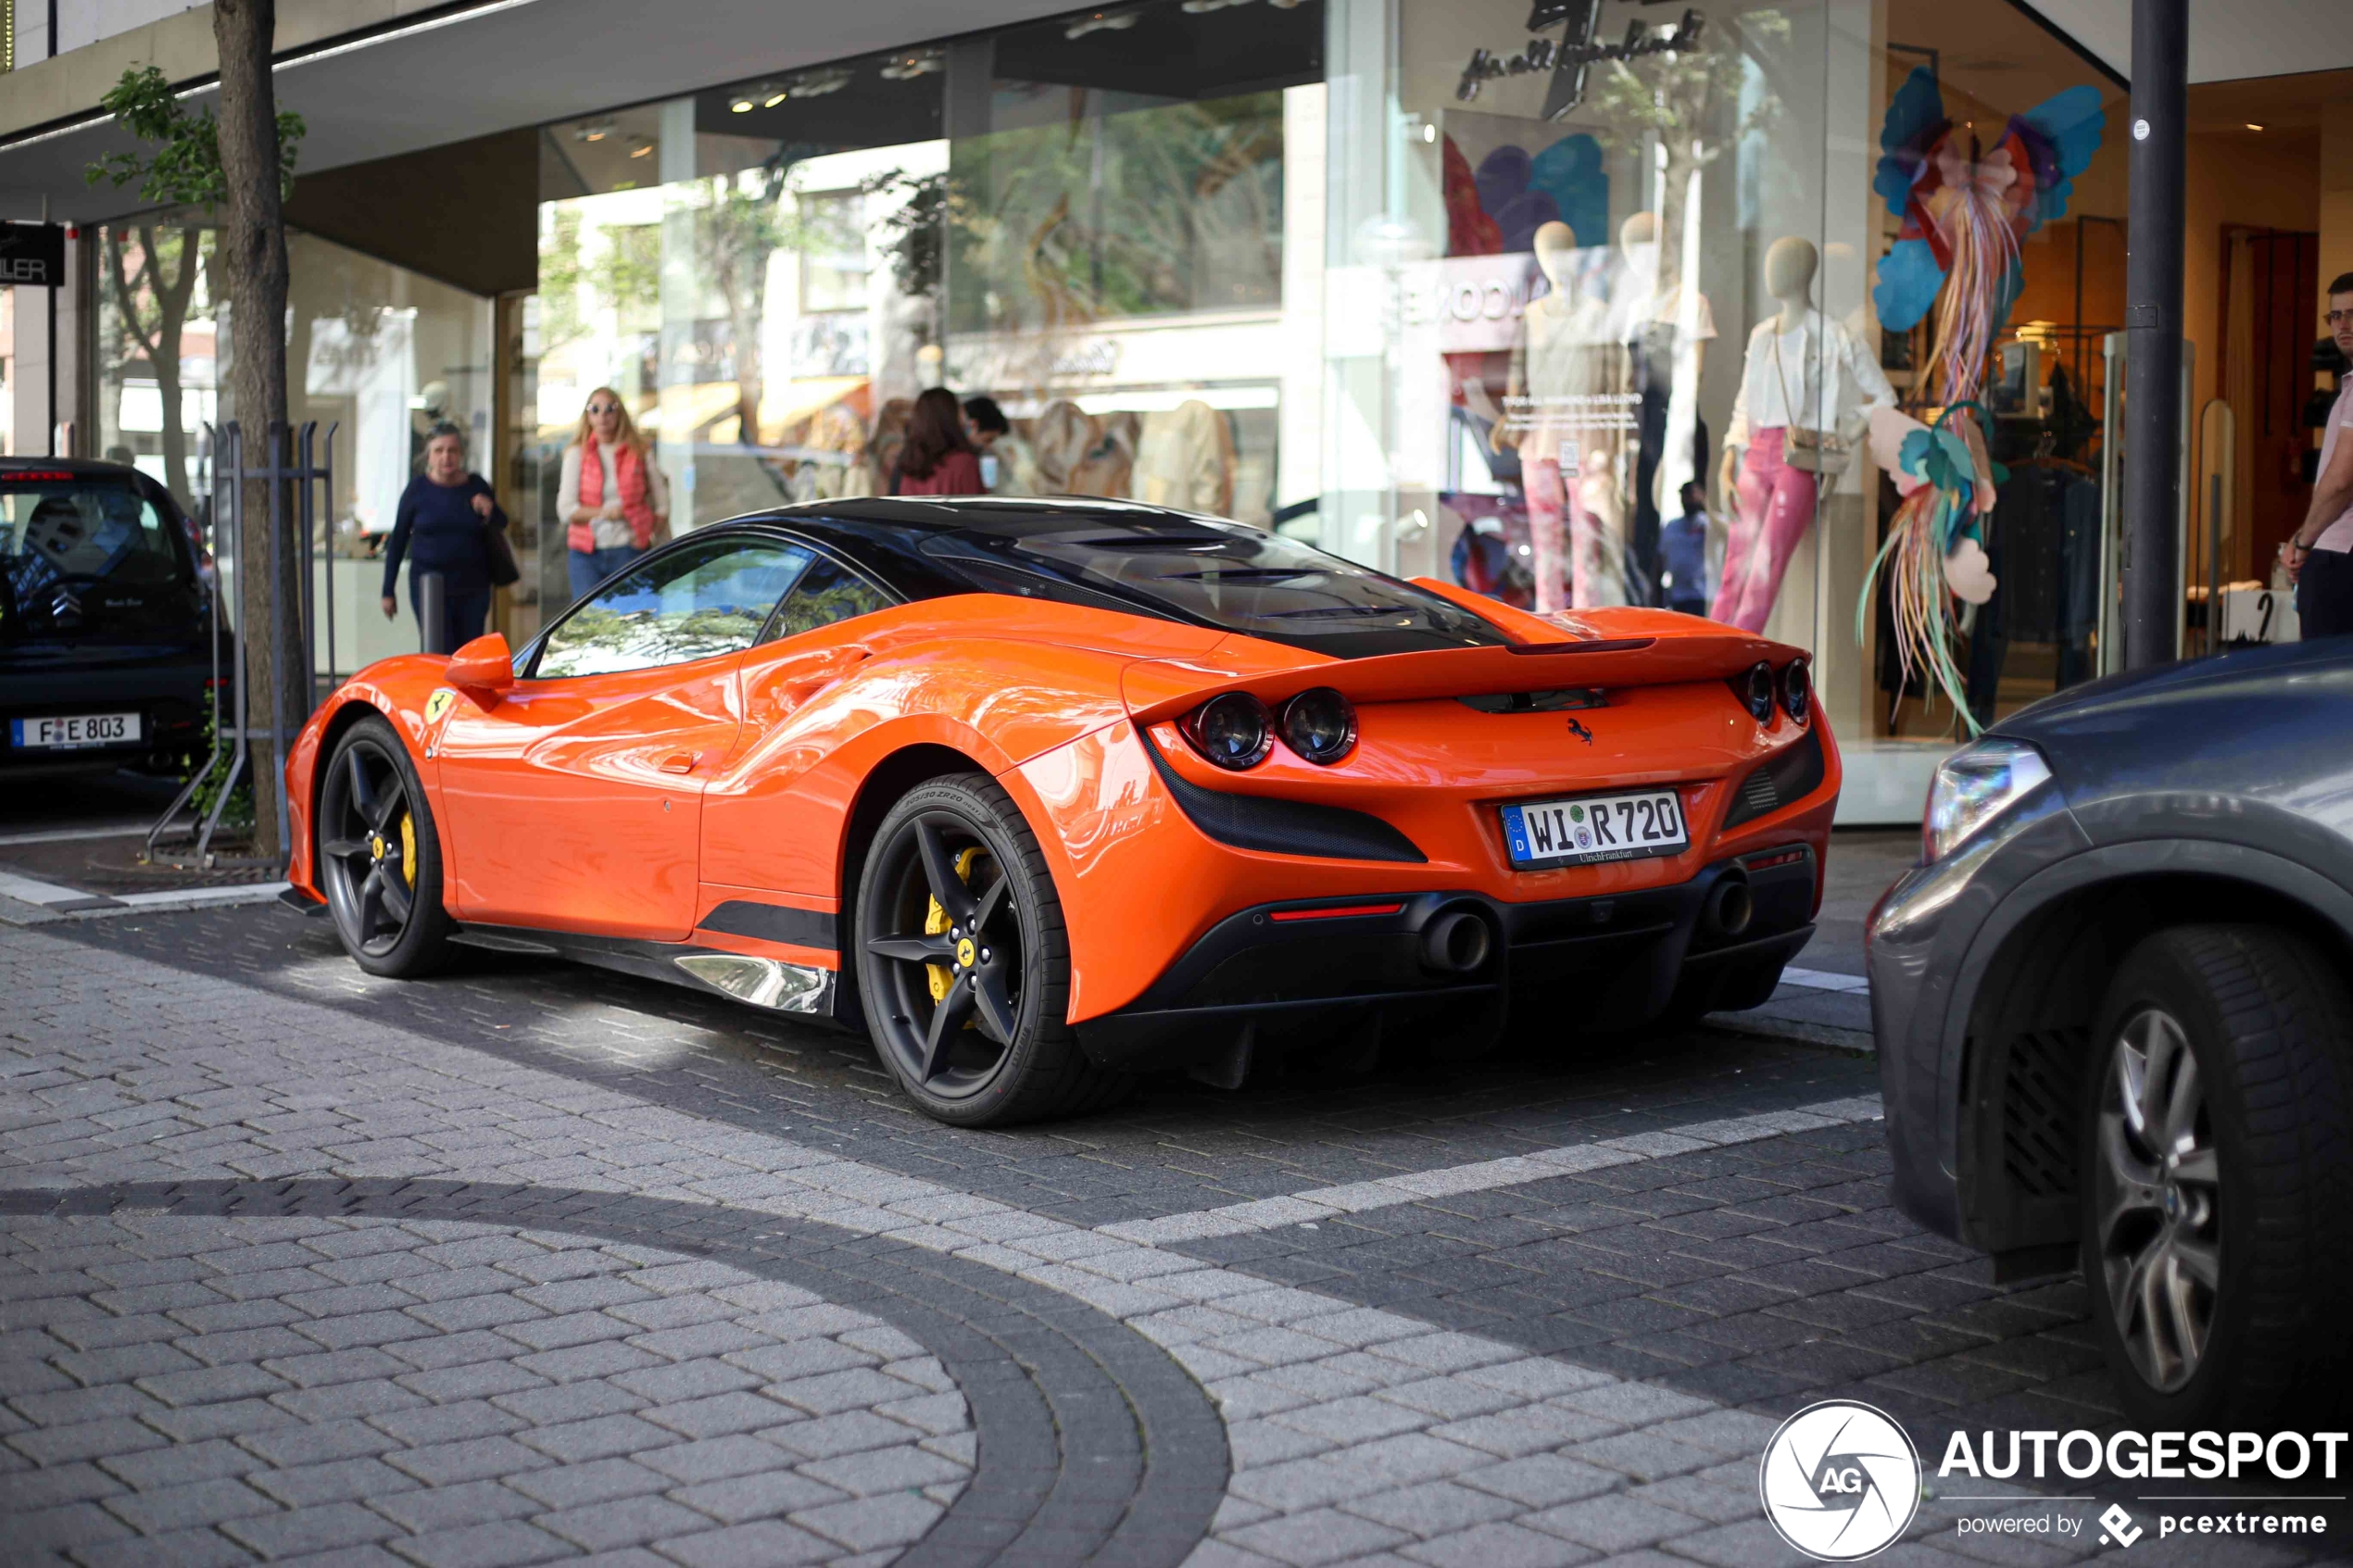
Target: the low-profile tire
(993, 1046)
(377, 857)
(2218, 1178)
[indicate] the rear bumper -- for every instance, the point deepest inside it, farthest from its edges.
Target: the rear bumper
(1285, 970)
(171, 695)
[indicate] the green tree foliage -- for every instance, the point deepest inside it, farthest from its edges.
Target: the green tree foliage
(184, 165)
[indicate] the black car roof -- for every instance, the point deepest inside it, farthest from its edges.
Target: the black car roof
(904, 542)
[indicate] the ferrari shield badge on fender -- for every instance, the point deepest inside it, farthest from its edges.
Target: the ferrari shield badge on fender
(438, 704)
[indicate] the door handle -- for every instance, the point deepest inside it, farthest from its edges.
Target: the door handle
(684, 762)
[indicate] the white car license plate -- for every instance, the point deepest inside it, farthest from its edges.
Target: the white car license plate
(1581, 829)
(69, 732)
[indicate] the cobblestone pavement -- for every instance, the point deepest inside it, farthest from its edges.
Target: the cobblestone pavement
(265, 1217)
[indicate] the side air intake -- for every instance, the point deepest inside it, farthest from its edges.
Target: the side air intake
(1283, 827)
(1785, 777)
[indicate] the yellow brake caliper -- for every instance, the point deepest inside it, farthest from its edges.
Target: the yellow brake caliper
(936, 923)
(409, 848)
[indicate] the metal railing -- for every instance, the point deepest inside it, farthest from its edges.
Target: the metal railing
(293, 507)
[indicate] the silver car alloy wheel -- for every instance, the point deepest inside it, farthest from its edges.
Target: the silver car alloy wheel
(2159, 1200)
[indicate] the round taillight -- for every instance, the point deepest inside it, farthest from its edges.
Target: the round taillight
(1797, 691)
(1756, 689)
(1320, 725)
(1233, 730)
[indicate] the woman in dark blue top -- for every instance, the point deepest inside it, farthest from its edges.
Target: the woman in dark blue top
(440, 527)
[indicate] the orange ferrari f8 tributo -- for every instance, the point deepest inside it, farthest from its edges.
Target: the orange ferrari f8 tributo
(1045, 794)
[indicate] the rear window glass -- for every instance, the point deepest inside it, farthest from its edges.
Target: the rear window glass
(75, 527)
(1223, 575)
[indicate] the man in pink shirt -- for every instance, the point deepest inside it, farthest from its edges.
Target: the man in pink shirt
(2319, 556)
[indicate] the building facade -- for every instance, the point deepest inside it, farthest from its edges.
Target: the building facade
(1467, 289)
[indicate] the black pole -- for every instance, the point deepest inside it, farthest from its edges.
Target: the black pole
(2153, 327)
(52, 292)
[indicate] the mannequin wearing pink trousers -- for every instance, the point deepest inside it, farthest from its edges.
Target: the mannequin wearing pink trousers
(1776, 509)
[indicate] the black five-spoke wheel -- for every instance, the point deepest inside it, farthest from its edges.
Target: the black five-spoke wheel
(962, 964)
(377, 861)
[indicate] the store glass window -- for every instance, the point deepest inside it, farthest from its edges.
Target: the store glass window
(377, 354)
(158, 351)
(1101, 233)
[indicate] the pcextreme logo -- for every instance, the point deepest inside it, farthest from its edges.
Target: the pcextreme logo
(1840, 1481)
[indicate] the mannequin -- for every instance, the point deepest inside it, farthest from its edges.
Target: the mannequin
(1185, 459)
(1570, 432)
(1666, 332)
(1807, 373)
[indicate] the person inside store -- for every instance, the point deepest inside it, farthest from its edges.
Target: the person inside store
(440, 526)
(1682, 555)
(936, 458)
(2318, 555)
(612, 498)
(1006, 466)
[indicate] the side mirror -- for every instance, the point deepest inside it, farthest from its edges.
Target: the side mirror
(483, 666)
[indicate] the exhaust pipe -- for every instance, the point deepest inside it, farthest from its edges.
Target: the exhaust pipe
(1729, 907)
(1457, 942)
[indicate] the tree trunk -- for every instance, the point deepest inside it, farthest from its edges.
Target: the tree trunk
(253, 249)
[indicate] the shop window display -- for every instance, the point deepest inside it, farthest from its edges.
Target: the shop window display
(1599, 219)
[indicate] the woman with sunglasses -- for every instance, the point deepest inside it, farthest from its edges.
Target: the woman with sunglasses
(613, 500)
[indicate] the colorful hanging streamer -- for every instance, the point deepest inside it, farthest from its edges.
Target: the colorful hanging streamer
(1966, 209)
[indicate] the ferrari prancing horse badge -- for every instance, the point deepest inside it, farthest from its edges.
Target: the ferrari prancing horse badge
(438, 704)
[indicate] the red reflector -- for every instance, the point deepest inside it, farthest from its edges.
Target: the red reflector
(1339, 910)
(1769, 861)
(36, 476)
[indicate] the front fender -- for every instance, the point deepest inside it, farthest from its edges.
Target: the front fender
(395, 688)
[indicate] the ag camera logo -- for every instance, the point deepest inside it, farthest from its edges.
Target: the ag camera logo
(1840, 1481)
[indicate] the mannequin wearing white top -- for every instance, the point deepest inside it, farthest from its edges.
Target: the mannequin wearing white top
(1569, 433)
(1805, 372)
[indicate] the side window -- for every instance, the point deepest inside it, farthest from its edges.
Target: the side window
(826, 593)
(689, 604)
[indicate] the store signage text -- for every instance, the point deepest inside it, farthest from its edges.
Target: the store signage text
(33, 255)
(1577, 51)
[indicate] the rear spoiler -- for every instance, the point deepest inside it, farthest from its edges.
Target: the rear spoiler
(1622, 646)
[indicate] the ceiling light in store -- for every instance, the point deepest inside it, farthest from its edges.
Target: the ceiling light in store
(593, 130)
(741, 104)
(1195, 8)
(1102, 22)
(773, 99)
(817, 83)
(2252, 126)
(644, 147)
(1429, 131)
(916, 63)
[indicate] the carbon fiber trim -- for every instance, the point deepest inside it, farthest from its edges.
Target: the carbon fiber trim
(773, 923)
(1283, 827)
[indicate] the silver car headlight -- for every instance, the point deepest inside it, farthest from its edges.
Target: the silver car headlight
(1974, 787)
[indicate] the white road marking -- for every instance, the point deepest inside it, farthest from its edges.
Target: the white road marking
(1824, 980)
(1483, 1175)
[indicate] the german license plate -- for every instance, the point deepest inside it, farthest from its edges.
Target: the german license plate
(71, 732)
(1581, 829)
